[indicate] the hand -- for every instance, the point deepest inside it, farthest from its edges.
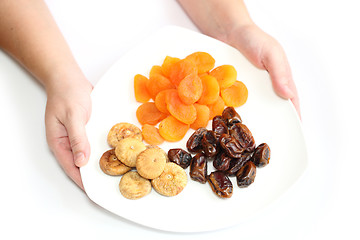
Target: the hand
(67, 111)
(266, 53)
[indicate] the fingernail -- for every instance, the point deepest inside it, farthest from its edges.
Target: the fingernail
(288, 92)
(79, 159)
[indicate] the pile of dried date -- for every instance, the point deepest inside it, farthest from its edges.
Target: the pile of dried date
(231, 147)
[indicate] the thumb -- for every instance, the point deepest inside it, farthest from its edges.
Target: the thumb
(78, 140)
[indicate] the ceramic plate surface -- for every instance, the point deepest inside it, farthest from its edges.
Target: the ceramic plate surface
(270, 119)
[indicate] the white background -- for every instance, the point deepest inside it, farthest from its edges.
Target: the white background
(321, 40)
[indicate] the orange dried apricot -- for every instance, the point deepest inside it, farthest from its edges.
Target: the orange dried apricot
(203, 61)
(160, 101)
(141, 93)
(172, 130)
(180, 69)
(178, 109)
(147, 113)
(211, 90)
(157, 82)
(202, 116)
(151, 135)
(168, 61)
(235, 95)
(217, 107)
(225, 74)
(190, 89)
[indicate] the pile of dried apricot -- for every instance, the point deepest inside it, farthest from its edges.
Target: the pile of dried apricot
(185, 93)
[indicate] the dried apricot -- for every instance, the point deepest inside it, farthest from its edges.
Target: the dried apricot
(211, 90)
(168, 61)
(217, 107)
(147, 113)
(178, 109)
(141, 93)
(202, 116)
(203, 61)
(151, 135)
(160, 101)
(235, 95)
(190, 89)
(172, 130)
(225, 74)
(180, 69)
(157, 82)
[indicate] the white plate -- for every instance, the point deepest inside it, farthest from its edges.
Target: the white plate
(197, 208)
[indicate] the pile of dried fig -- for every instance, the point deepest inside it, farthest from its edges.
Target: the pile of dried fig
(231, 147)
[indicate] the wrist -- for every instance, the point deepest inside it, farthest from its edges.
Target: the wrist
(67, 81)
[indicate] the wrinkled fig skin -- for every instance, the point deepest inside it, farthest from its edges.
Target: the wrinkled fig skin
(231, 116)
(231, 146)
(180, 157)
(241, 133)
(198, 168)
(194, 142)
(261, 155)
(221, 161)
(237, 163)
(219, 126)
(209, 144)
(246, 175)
(220, 184)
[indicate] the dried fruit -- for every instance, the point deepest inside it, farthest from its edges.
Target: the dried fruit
(171, 181)
(236, 95)
(150, 163)
(133, 186)
(128, 149)
(123, 130)
(111, 165)
(172, 130)
(151, 135)
(220, 184)
(261, 155)
(180, 157)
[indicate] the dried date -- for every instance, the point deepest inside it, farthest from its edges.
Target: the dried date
(209, 144)
(231, 116)
(231, 146)
(219, 126)
(180, 157)
(261, 155)
(222, 161)
(194, 142)
(246, 174)
(220, 184)
(198, 168)
(242, 133)
(237, 163)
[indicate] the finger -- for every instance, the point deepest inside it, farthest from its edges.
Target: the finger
(60, 146)
(278, 68)
(79, 143)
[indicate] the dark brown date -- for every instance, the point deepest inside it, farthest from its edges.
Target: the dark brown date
(209, 144)
(222, 161)
(198, 168)
(194, 142)
(246, 174)
(180, 157)
(231, 116)
(261, 155)
(220, 184)
(231, 146)
(237, 163)
(219, 126)
(242, 133)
